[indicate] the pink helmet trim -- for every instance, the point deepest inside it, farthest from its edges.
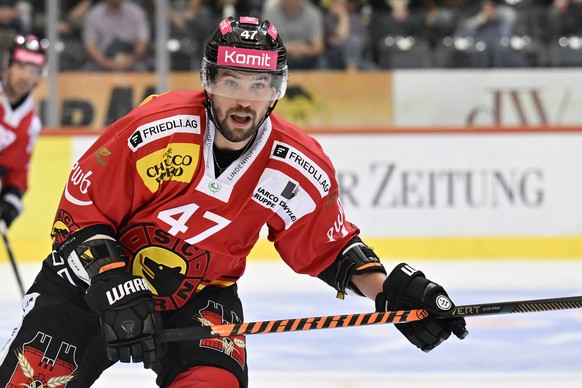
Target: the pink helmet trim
(273, 33)
(25, 56)
(249, 20)
(225, 27)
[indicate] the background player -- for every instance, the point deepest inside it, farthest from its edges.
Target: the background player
(19, 123)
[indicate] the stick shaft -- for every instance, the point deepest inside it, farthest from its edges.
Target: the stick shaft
(295, 324)
(364, 319)
(11, 256)
(523, 306)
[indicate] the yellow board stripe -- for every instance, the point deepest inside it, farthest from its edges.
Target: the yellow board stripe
(50, 166)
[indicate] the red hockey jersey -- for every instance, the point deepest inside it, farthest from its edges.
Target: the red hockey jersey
(19, 130)
(151, 178)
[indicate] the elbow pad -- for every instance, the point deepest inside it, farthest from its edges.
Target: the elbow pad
(355, 258)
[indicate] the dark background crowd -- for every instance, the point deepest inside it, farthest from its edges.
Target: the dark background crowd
(364, 35)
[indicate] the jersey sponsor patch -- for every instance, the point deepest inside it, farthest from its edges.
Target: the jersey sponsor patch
(177, 162)
(303, 164)
(101, 155)
(167, 126)
(338, 230)
(284, 196)
(77, 186)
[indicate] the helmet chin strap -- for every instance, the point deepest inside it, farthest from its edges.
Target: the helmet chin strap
(208, 105)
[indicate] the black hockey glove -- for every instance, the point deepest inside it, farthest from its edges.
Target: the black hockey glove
(405, 289)
(129, 321)
(10, 208)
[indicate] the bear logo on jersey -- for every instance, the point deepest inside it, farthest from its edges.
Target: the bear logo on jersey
(173, 269)
(63, 226)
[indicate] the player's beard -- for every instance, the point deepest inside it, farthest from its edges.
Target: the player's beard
(234, 133)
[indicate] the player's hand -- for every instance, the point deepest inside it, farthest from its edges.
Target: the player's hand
(129, 321)
(406, 288)
(10, 208)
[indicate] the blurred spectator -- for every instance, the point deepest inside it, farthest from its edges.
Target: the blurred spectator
(336, 28)
(398, 33)
(443, 17)
(221, 9)
(490, 19)
(12, 17)
(397, 19)
(490, 24)
(564, 33)
(474, 34)
(565, 18)
(116, 37)
(300, 24)
(72, 15)
(346, 37)
(191, 24)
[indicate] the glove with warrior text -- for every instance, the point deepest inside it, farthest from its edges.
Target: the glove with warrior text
(406, 288)
(10, 208)
(129, 321)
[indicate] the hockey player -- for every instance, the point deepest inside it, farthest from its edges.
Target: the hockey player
(159, 215)
(19, 123)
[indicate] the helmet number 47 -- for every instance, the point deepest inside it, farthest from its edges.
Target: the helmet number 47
(249, 35)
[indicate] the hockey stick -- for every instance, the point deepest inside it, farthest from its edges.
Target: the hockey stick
(3, 232)
(363, 319)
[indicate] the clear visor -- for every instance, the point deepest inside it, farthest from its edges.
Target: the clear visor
(242, 84)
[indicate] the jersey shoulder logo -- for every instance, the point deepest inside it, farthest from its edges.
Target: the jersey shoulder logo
(302, 163)
(147, 133)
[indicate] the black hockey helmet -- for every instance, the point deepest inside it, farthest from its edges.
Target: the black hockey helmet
(28, 49)
(246, 44)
